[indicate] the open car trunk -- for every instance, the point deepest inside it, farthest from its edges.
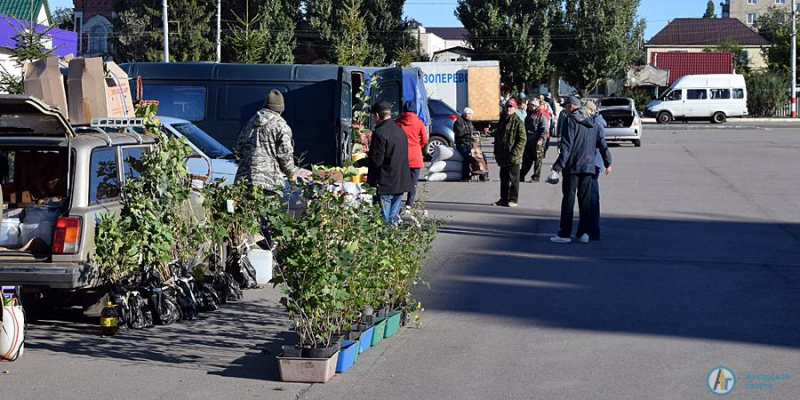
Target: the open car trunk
(33, 175)
(34, 192)
(618, 118)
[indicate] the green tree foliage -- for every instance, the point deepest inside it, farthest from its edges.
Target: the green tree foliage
(262, 32)
(741, 59)
(29, 45)
(246, 41)
(64, 18)
(597, 40)
(766, 93)
(775, 26)
(350, 44)
(515, 32)
(710, 11)
(323, 25)
(278, 27)
(191, 35)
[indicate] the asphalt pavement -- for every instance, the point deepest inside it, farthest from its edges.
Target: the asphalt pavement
(699, 267)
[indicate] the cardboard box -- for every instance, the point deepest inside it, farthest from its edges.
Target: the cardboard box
(93, 93)
(44, 80)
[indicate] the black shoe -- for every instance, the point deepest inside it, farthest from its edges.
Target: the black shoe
(486, 179)
(500, 203)
(595, 238)
(535, 180)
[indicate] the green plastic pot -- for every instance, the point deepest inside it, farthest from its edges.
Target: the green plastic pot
(392, 323)
(380, 330)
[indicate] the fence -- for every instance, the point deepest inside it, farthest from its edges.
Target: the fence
(785, 111)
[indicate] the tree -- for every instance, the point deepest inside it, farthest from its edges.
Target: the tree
(64, 18)
(710, 11)
(766, 93)
(775, 26)
(29, 45)
(515, 32)
(190, 37)
(741, 59)
(246, 41)
(278, 28)
(350, 45)
(599, 39)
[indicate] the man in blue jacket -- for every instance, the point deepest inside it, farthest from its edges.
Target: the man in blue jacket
(579, 144)
(600, 155)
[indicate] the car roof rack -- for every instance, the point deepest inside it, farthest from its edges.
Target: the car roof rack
(124, 125)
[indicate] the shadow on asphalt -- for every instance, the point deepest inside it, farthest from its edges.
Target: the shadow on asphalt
(213, 342)
(682, 278)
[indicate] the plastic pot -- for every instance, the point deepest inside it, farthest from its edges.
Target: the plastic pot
(379, 331)
(320, 352)
(308, 370)
(392, 323)
(365, 341)
(291, 351)
(347, 356)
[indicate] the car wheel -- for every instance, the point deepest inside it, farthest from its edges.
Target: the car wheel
(719, 117)
(433, 142)
(637, 142)
(664, 117)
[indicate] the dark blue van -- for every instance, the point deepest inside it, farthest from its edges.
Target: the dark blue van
(221, 98)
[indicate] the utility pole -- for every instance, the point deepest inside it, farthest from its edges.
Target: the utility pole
(219, 31)
(794, 60)
(165, 14)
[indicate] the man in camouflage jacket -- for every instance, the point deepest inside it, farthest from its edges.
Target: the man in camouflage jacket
(265, 147)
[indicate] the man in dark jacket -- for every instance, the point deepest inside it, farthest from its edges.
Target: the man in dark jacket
(464, 132)
(579, 144)
(602, 153)
(537, 126)
(387, 161)
(509, 143)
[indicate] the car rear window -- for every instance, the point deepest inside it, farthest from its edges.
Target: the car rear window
(131, 157)
(738, 93)
(440, 108)
(614, 102)
(103, 175)
(30, 175)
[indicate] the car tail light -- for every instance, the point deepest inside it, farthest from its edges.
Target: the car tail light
(453, 117)
(67, 235)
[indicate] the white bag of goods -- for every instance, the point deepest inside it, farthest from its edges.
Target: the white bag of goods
(9, 232)
(444, 153)
(12, 334)
(444, 176)
(261, 260)
(445, 166)
(42, 230)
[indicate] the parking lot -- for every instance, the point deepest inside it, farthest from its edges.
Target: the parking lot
(699, 267)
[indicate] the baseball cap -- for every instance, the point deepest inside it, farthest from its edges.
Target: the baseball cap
(572, 100)
(511, 103)
(468, 110)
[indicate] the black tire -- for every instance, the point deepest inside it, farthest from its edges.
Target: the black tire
(435, 140)
(719, 117)
(664, 117)
(637, 142)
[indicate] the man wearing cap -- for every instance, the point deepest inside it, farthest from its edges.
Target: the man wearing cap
(537, 125)
(465, 139)
(579, 143)
(387, 161)
(509, 144)
(265, 147)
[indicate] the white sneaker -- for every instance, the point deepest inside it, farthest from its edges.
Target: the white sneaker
(559, 239)
(584, 238)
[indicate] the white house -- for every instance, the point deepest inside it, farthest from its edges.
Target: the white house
(443, 44)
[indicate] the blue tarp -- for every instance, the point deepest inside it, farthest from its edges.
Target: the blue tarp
(65, 42)
(414, 91)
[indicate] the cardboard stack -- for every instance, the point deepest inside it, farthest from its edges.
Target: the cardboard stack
(94, 88)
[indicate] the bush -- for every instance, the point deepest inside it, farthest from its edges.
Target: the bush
(766, 93)
(641, 96)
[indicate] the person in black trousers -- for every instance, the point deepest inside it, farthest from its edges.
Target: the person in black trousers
(576, 163)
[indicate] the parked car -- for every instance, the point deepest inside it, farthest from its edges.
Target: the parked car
(701, 97)
(623, 120)
(56, 181)
(211, 152)
(443, 117)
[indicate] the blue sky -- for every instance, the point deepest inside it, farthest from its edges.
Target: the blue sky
(657, 12)
(440, 12)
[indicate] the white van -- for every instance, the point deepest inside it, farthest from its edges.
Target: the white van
(710, 97)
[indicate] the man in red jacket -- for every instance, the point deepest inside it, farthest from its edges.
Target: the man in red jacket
(417, 139)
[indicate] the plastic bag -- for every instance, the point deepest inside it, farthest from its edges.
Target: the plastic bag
(553, 178)
(242, 271)
(226, 287)
(207, 299)
(186, 298)
(139, 316)
(163, 306)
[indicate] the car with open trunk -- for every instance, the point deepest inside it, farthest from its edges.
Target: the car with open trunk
(623, 122)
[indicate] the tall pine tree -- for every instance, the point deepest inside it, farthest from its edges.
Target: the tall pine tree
(515, 32)
(350, 44)
(710, 11)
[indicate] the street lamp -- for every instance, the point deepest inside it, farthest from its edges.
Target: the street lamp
(793, 84)
(166, 30)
